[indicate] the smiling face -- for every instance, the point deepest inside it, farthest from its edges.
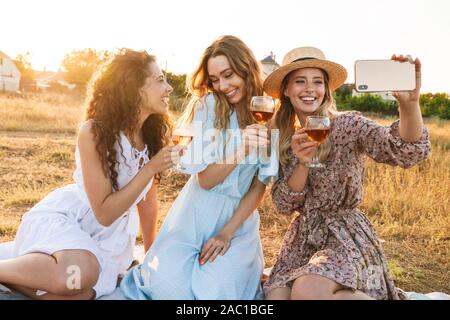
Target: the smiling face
(306, 90)
(225, 80)
(156, 91)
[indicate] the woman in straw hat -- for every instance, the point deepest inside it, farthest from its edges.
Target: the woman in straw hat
(209, 245)
(331, 250)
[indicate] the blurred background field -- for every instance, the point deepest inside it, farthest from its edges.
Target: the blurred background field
(410, 209)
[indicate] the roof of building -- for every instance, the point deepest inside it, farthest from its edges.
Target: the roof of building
(4, 55)
(269, 59)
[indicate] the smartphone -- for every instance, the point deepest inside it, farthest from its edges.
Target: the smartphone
(384, 75)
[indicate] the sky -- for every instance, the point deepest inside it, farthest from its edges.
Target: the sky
(177, 32)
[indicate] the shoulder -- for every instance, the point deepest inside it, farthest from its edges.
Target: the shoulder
(85, 134)
(204, 108)
(349, 120)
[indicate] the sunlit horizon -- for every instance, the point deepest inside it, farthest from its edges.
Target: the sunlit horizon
(177, 32)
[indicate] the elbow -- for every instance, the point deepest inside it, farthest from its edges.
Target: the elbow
(103, 219)
(205, 183)
(282, 206)
(284, 211)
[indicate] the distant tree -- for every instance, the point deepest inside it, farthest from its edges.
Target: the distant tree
(369, 103)
(437, 104)
(178, 82)
(344, 92)
(80, 65)
(179, 94)
(28, 76)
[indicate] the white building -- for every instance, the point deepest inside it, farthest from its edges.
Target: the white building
(269, 65)
(9, 74)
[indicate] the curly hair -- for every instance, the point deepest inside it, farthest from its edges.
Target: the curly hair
(113, 103)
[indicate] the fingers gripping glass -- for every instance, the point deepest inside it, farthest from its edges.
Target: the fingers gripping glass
(317, 128)
(262, 109)
(181, 136)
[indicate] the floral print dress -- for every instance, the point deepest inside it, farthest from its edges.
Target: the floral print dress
(331, 237)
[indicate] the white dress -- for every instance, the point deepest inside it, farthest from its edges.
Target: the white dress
(64, 220)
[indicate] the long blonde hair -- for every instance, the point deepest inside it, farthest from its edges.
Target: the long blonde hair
(244, 64)
(286, 119)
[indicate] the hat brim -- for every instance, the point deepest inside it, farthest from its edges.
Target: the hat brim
(336, 74)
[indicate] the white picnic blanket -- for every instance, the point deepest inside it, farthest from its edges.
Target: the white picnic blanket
(139, 253)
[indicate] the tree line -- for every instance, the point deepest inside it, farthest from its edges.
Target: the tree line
(431, 104)
(79, 65)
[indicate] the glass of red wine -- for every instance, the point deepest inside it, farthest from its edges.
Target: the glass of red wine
(317, 128)
(262, 109)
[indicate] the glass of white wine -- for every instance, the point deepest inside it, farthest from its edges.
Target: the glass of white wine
(182, 136)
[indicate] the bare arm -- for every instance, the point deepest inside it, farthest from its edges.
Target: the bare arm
(221, 242)
(215, 174)
(106, 204)
(411, 123)
(148, 215)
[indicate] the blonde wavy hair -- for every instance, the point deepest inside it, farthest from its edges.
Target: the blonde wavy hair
(286, 119)
(244, 64)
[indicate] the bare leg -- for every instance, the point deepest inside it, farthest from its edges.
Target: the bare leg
(315, 287)
(31, 293)
(346, 294)
(279, 294)
(67, 272)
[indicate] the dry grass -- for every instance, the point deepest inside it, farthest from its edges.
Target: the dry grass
(410, 209)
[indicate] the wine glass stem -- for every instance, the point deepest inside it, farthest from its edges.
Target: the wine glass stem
(316, 155)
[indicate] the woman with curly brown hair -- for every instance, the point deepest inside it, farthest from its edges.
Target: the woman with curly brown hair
(74, 243)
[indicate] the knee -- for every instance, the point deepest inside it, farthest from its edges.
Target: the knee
(306, 288)
(306, 294)
(74, 280)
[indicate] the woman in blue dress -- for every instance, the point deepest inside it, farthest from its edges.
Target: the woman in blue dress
(209, 245)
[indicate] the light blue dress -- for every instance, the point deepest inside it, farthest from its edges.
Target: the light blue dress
(171, 268)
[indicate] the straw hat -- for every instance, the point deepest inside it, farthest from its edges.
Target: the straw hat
(304, 57)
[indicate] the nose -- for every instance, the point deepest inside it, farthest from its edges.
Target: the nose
(309, 87)
(223, 85)
(169, 88)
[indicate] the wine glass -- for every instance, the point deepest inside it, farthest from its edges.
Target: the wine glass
(262, 109)
(317, 128)
(182, 136)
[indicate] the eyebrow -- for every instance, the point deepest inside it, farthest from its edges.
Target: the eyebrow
(222, 72)
(303, 77)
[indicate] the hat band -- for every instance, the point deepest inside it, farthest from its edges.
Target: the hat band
(307, 58)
